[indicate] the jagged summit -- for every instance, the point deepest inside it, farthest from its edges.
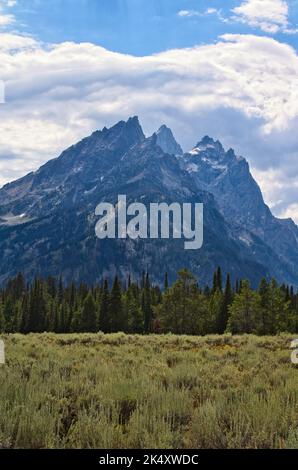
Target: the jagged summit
(227, 176)
(133, 124)
(206, 140)
(130, 130)
(167, 142)
(47, 218)
(207, 144)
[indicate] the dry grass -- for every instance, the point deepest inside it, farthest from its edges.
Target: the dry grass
(118, 391)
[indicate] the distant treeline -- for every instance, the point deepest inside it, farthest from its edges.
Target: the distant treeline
(141, 307)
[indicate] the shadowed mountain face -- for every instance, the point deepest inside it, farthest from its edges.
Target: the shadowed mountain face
(167, 142)
(47, 218)
(240, 201)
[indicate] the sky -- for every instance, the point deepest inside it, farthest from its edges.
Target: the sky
(228, 69)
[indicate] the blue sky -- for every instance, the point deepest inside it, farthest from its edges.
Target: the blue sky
(138, 27)
(224, 68)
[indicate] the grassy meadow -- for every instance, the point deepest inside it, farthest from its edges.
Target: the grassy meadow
(121, 391)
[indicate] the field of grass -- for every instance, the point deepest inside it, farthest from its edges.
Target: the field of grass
(119, 391)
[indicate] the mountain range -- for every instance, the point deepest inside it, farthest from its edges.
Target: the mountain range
(47, 218)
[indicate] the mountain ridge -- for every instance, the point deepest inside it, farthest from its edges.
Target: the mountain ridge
(228, 177)
(47, 218)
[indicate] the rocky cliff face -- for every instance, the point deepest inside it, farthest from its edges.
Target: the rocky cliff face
(167, 142)
(47, 218)
(240, 201)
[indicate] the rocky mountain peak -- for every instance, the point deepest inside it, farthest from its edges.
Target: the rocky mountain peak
(133, 124)
(127, 132)
(209, 147)
(51, 212)
(167, 142)
(206, 140)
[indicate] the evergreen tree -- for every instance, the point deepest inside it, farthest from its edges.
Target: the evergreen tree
(116, 311)
(266, 324)
(184, 310)
(245, 311)
(89, 315)
(75, 326)
(37, 311)
(215, 309)
(166, 283)
(47, 305)
(104, 318)
(133, 311)
(214, 286)
(8, 314)
(219, 279)
(224, 309)
(147, 307)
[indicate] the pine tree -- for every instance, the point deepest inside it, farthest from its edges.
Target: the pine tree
(133, 311)
(245, 311)
(282, 317)
(24, 314)
(214, 285)
(116, 311)
(219, 279)
(60, 290)
(166, 283)
(51, 287)
(147, 308)
(8, 314)
(266, 324)
(215, 309)
(37, 311)
(89, 315)
(184, 310)
(224, 308)
(104, 318)
(75, 326)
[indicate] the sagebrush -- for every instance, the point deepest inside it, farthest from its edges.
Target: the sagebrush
(157, 391)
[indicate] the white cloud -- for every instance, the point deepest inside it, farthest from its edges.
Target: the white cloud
(291, 212)
(188, 13)
(7, 3)
(279, 190)
(194, 13)
(210, 11)
(270, 16)
(242, 89)
(10, 42)
(5, 18)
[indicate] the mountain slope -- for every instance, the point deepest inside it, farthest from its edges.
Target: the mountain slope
(167, 141)
(47, 218)
(240, 200)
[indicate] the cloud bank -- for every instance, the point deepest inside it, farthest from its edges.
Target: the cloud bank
(270, 16)
(242, 89)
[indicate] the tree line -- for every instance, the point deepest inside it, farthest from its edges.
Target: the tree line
(142, 307)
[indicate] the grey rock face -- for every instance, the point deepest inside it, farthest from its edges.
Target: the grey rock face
(240, 201)
(167, 142)
(47, 218)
